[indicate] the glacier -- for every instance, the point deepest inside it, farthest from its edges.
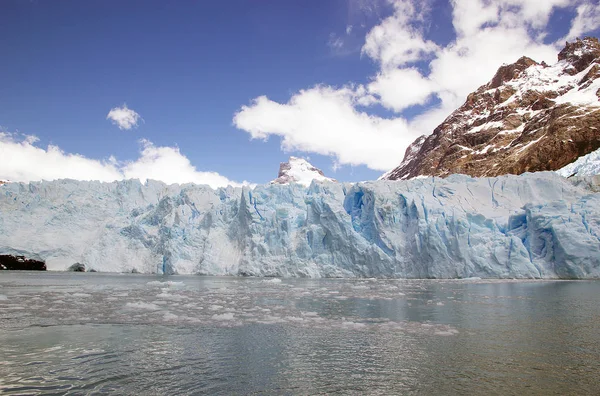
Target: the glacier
(586, 165)
(537, 225)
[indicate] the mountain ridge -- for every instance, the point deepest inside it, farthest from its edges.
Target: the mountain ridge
(529, 117)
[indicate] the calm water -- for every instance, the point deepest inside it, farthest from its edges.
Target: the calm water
(78, 333)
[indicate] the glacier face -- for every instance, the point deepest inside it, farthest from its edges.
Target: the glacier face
(529, 226)
(586, 165)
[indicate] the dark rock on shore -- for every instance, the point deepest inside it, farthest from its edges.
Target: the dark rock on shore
(20, 263)
(77, 267)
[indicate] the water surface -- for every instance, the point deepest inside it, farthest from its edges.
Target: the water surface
(77, 333)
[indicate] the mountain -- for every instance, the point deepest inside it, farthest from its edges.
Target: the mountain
(299, 170)
(536, 225)
(529, 117)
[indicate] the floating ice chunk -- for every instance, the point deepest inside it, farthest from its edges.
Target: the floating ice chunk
(171, 297)
(225, 316)
(142, 305)
(272, 280)
(309, 314)
(169, 317)
(354, 325)
(81, 295)
(271, 319)
(445, 332)
(166, 284)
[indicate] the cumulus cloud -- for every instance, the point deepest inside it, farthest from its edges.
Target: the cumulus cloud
(326, 121)
(399, 89)
(123, 117)
(587, 19)
(399, 39)
(23, 160)
(169, 165)
(413, 69)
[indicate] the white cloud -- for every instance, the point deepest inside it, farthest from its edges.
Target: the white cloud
(398, 39)
(401, 88)
(169, 165)
(587, 19)
(23, 160)
(324, 120)
(335, 42)
(124, 117)
(489, 33)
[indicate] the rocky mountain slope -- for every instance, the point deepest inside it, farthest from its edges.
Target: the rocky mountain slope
(529, 117)
(299, 170)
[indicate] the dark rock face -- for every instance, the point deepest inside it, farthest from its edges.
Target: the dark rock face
(530, 117)
(77, 267)
(20, 263)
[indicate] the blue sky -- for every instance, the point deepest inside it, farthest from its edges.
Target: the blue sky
(338, 79)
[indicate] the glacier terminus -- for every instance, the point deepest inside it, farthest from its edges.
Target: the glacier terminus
(536, 225)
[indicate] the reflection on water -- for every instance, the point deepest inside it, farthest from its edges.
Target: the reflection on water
(128, 334)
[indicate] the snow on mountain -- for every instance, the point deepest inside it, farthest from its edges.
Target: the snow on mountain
(529, 117)
(298, 170)
(536, 225)
(587, 165)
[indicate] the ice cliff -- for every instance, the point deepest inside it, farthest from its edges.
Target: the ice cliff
(587, 165)
(530, 226)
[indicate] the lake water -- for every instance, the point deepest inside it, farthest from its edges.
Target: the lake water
(78, 333)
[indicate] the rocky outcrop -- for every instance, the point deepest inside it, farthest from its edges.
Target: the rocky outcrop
(529, 117)
(20, 263)
(77, 267)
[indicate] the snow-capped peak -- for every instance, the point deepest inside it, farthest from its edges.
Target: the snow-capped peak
(299, 170)
(530, 117)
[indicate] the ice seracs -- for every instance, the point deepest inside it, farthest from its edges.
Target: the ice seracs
(537, 225)
(587, 165)
(299, 170)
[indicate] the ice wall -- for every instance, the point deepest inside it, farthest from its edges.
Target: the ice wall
(530, 226)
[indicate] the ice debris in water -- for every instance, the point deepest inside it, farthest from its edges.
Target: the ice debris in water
(142, 305)
(272, 280)
(166, 284)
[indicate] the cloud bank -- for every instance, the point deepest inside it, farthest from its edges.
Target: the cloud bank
(123, 117)
(23, 160)
(412, 70)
